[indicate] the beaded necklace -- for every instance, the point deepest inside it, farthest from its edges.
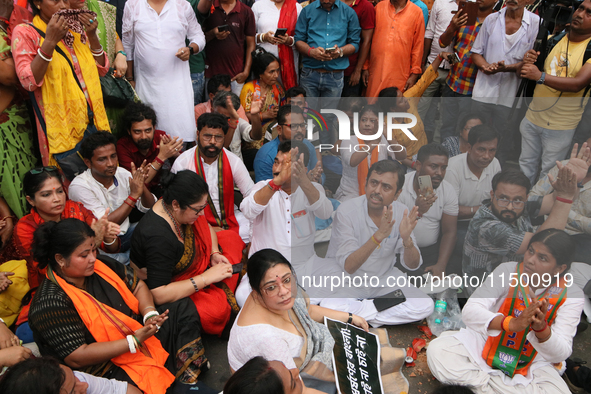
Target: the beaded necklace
(179, 232)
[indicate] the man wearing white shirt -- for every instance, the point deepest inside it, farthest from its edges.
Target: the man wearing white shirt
(228, 104)
(438, 208)
(498, 52)
(372, 234)
(283, 212)
(471, 175)
(439, 18)
(222, 170)
(105, 185)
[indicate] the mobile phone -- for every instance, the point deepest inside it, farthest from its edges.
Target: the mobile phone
(223, 28)
(237, 268)
(330, 50)
(471, 9)
(389, 300)
(455, 58)
(280, 32)
(425, 185)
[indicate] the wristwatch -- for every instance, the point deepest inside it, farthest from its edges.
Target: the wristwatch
(340, 52)
(191, 50)
(542, 79)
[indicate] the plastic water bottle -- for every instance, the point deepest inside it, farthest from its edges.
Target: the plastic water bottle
(440, 309)
(447, 323)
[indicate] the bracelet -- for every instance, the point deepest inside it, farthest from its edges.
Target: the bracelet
(149, 315)
(376, 242)
(194, 284)
(148, 307)
(203, 279)
(99, 54)
(43, 57)
(154, 168)
(214, 252)
(412, 244)
(543, 328)
(132, 199)
(110, 243)
(292, 41)
(128, 204)
(350, 318)
(273, 186)
(121, 52)
(564, 200)
(129, 78)
(97, 50)
(131, 344)
(545, 339)
(309, 49)
(159, 161)
(505, 323)
(3, 322)
(45, 53)
(261, 116)
(137, 341)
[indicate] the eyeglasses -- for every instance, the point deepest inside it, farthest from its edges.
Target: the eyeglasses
(503, 203)
(39, 170)
(197, 210)
(273, 289)
(209, 137)
(294, 126)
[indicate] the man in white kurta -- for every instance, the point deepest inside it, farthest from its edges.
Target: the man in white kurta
(283, 218)
(360, 249)
(155, 43)
(456, 357)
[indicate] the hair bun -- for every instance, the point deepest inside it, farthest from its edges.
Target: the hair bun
(167, 178)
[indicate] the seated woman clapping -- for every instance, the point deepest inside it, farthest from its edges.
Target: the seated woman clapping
(520, 324)
(278, 323)
(96, 316)
(184, 256)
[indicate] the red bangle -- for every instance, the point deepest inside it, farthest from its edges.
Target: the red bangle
(309, 49)
(158, 160)
(564, 200)
(274, 186)
(128, 204)
(44, 54)
(413, 164)
(132, 199)
(543, 328)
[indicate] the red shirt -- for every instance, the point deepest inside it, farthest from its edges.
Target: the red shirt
(128, 152)
(227, 56)
(366, 14)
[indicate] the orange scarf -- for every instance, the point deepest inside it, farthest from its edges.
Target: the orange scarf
(146, 367)
(511, 352)
(363, 168)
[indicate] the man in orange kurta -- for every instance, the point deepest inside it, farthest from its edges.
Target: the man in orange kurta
(397, 46)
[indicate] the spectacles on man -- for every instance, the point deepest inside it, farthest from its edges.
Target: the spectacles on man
(294, 126)
(39, 170)
(209, 137)
(197, 210)
(504, 203)
(272, 289)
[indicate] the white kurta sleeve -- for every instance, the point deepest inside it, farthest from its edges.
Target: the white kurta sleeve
(194, 31)
(128, 38)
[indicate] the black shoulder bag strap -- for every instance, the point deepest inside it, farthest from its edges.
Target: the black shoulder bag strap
(32, 95)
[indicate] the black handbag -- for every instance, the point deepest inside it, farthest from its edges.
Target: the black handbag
(70, 162)
(117, 92)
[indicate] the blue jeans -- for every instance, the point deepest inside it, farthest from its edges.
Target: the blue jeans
(198, 81)
(453, 107)
(541, 146)
(318, 84)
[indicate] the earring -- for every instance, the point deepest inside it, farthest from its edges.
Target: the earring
(39, 7)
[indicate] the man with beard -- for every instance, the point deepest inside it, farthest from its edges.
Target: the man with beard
(222, 170)
(107, 187)
(372, 234)
(290, 124)
(144, 142)
(501, 229)
(438, 208)
(283, 209)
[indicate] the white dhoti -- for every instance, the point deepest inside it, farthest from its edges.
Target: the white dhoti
(450, 362)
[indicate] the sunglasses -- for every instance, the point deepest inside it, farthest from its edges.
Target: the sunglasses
(39, 170)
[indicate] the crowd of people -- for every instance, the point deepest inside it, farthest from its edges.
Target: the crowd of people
(174, 171)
